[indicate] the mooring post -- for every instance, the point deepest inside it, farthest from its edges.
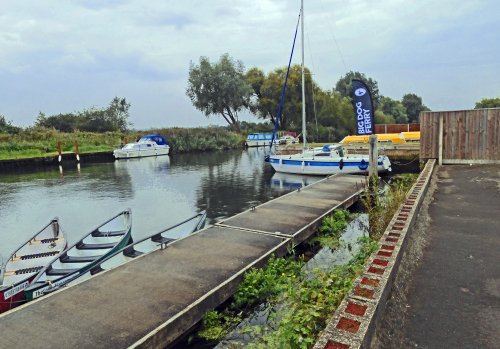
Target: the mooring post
(59, 150)
(76, 152)
(372, 156)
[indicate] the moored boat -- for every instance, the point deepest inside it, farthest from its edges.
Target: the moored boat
(23, 265)
(327, 160)
(149, 145)
(157, 241)
(94, 247)
(259, 139)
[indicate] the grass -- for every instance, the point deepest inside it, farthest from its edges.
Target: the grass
(41, 143)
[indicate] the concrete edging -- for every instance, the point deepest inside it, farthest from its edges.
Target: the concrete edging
(352, 324)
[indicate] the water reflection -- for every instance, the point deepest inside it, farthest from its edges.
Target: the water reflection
(292, 181)
(160, 191)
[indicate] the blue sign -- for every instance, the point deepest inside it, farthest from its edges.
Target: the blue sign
(363, 108)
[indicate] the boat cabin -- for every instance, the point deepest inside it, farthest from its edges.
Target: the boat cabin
(259, 139)
(157, 138)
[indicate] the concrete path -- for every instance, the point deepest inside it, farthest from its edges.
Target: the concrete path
(453, 295)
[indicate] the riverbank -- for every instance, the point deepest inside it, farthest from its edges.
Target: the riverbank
(44, 143)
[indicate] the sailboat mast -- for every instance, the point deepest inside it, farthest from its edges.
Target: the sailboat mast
(303, 79)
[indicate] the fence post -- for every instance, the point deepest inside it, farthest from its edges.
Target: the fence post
(440, 140)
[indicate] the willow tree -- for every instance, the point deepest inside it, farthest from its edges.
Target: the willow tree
(219, 88)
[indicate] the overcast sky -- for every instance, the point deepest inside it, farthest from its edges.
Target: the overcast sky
(64, 56)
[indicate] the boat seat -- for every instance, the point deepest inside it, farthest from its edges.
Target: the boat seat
(81, 259)
(162, 240)
(83, 246)
(39, 255)
(60, 272)
(97, 233)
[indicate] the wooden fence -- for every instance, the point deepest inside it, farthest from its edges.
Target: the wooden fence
(461, 137)
(396, 128)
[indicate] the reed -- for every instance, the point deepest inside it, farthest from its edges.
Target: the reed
(43, 142)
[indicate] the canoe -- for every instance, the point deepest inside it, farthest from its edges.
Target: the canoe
(103, 241)
(27, 260)
(157, 241)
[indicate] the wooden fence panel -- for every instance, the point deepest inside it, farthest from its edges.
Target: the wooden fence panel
(469, 136)
(396, 128)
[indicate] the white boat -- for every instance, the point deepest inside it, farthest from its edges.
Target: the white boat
(327, 160)
(149, 145)
(259, 139)
(286, 139)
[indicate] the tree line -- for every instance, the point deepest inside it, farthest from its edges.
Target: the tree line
(226, 89)
(114, 117)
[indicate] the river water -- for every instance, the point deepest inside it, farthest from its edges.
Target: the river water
(160, 191)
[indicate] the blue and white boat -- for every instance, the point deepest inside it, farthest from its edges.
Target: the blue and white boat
(259, 139)
(149, 145)
(326, 160)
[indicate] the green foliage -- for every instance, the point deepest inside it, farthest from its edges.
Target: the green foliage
(201, 138)
(309, 304)
(394, 108)
(7, 127)
(335, 116)
(344, 86)
(261, 284)
(257, 286)
(110, 119)
(39, 143)
(219, 88)
(414, 106)
(488, 103)
(42, 142)
(267, 92)
(299, 304)
(332, 227)
(380, 208)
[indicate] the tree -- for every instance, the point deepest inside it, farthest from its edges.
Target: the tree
(219, 88)
(414, 106)
(393, 108)
(267, 94)
(113, 118)
(488, 103)
(7, 127)
(344, 86)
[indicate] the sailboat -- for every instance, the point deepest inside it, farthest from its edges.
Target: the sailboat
(326, 160)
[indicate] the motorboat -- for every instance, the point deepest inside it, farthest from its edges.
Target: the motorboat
(149, 145)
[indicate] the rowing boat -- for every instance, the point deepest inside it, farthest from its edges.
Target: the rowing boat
(105, 240)
(157, 241)
(26, 261)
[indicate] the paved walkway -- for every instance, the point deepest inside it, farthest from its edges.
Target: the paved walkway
(453, 296)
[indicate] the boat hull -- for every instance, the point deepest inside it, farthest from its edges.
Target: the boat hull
(309, 166)
(102, 242)
(13, 296)
(123, 154)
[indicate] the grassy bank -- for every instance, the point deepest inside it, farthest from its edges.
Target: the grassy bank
(40, 143)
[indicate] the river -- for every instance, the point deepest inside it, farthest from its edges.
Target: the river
(160, 191)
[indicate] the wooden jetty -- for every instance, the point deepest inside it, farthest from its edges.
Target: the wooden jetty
(154, 299)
